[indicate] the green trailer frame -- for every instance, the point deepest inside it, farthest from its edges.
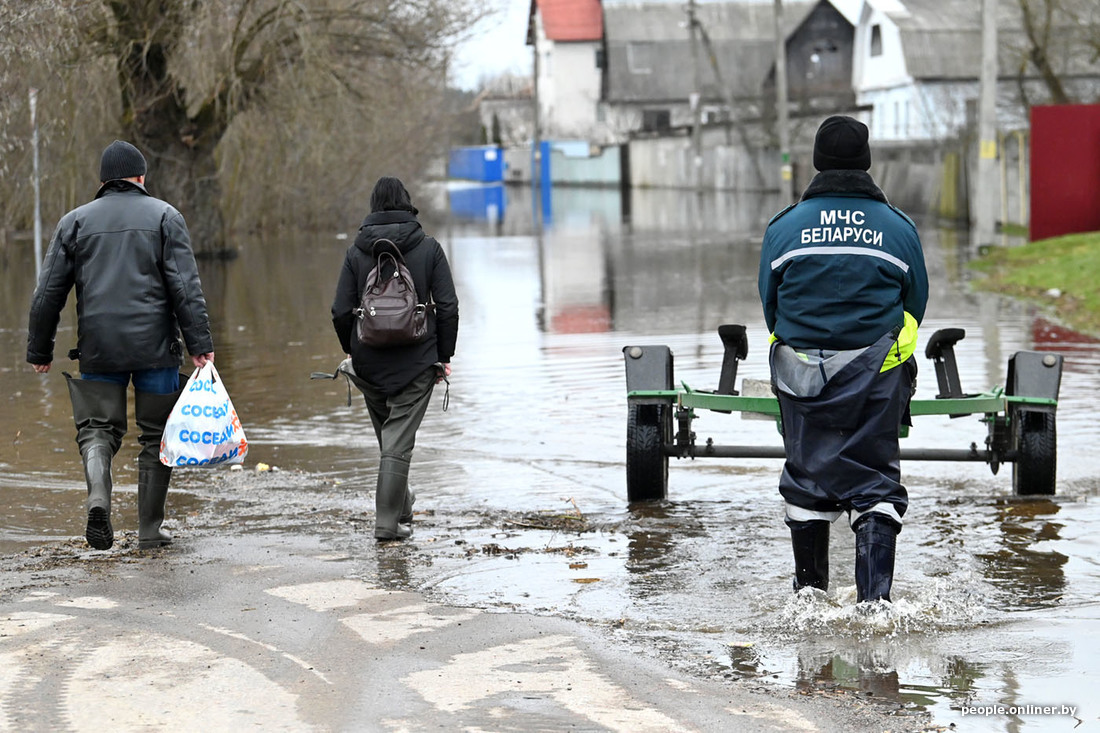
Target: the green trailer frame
(1020, 417)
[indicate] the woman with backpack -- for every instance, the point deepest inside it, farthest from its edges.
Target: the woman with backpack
(396, 379)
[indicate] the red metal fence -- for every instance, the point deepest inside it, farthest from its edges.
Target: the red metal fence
(1065, 170)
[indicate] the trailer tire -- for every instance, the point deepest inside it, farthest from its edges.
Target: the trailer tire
(648, 429)
(1035, 468)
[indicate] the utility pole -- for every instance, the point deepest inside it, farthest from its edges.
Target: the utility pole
(37, 186)
(536, 141)
(696, 100)
(985, 189)
(786, 193)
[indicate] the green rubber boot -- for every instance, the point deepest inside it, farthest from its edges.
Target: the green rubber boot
(407, 510)
(99, 412)
(151, 412)
(390, 499)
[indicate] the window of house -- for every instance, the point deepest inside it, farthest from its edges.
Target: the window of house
(599, 58)
(876, 40)
(637, 58)
(656, 119)
(715, 115)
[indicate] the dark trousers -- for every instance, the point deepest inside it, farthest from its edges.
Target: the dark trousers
(842, 445)
(396, 418)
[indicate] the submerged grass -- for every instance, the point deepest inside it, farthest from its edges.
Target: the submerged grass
(1060, 272)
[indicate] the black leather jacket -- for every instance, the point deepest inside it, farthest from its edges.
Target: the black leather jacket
(137, 285)
(391, 369)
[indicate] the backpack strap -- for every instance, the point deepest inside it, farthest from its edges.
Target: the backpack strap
(387, 246)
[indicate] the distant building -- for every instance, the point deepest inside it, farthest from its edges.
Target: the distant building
(655, 63)
(567, 36)
(505, 106)
(915, 65)
(609, 70)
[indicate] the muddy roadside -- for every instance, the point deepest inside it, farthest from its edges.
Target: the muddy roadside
(275, 585)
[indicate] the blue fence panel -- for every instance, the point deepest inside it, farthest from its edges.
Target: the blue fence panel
(483, 163)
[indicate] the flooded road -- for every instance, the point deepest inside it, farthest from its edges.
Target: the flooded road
(520, 482)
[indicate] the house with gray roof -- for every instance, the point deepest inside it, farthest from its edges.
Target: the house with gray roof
(916, 63)
(657, 63)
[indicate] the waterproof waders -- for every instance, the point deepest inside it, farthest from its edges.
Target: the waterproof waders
(390, 499)
(876, 537)
(99, 411)
(151, 412)
(810, 542)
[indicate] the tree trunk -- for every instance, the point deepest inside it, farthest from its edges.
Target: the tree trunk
(187, 178)
(179, 148)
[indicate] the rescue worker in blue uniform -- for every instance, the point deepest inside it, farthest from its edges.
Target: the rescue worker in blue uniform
(844, 286)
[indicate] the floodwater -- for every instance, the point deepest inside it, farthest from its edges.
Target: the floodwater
(520, 482)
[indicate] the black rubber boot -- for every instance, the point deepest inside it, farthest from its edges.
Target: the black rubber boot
(876, 539)
(810, 542)
(99, 412)
(390, 498)
(151, 412)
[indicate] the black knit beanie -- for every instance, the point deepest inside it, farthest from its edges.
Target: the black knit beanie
(121, 160)
(841, 144)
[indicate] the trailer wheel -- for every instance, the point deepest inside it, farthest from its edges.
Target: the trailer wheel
(648, 429)
(1036, 453)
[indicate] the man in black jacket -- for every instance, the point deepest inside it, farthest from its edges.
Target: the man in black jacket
(137, 287)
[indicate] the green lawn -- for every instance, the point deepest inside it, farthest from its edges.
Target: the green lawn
(1069, 265)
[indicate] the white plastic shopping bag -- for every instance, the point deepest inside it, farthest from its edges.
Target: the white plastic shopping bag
(203, 429)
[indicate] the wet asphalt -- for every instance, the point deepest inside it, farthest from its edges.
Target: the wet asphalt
(276, 632)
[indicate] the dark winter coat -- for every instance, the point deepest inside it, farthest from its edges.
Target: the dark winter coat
(838, 269)
(390, 369)
(137, 285)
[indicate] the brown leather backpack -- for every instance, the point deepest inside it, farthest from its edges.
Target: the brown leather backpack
(388, 313)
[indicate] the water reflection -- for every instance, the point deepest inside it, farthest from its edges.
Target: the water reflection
(1031, 577)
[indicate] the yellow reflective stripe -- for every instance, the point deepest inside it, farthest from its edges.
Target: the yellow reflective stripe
(904, 347)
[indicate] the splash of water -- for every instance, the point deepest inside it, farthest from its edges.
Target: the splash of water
(942, 604)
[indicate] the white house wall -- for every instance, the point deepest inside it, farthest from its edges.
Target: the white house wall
(902, 108)
(886, 70)
(568, 87)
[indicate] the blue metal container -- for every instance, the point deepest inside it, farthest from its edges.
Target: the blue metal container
(483, 163)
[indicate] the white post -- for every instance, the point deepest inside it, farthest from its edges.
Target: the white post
(695, 100)
(786, 194)
(986, 188)
(37, 188)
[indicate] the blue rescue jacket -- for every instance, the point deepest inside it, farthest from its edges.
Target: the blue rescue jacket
(840, 268)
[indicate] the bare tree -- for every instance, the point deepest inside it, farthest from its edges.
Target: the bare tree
(1061, 42)
(187, 70)
(1038, 17)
